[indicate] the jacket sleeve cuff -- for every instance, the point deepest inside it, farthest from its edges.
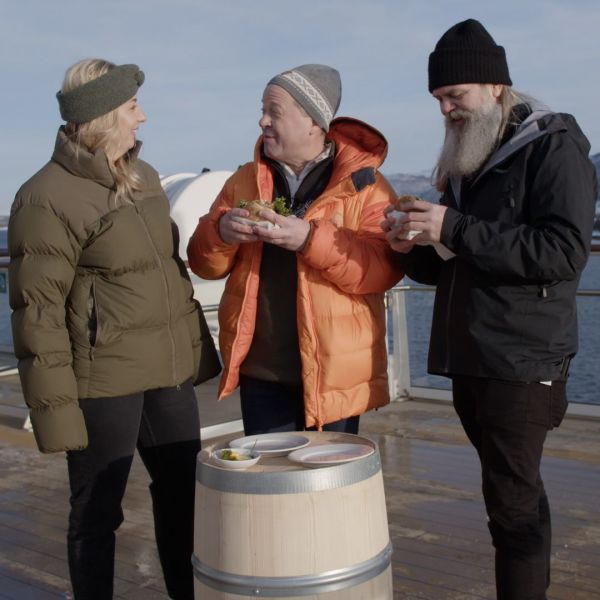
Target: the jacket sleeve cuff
(308, 236)
(450, 225)
(59, 428)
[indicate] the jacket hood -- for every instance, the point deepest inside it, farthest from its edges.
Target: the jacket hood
(538, 123)
(357, 146)
(81, 162)
(566, 122)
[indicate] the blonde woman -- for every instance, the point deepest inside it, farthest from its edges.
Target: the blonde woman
(105, 327)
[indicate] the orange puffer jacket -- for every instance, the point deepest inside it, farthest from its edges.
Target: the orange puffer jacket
(343, 271)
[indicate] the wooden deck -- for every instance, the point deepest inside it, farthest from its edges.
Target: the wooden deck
(437, 522)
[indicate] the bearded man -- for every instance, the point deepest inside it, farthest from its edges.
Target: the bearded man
(506, 247)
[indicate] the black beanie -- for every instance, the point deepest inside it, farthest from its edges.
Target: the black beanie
(467, 53)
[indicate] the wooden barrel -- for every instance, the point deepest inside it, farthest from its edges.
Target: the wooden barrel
(280, 530)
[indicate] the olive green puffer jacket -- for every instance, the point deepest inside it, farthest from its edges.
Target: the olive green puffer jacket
(102, 305)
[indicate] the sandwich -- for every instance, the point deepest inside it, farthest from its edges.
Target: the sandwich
(398, 213)
(255, 206)
(401, 200)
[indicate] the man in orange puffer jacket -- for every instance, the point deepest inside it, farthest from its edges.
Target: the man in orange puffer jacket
(302, 321)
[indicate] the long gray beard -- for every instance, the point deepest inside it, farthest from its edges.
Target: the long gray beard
(465, 150)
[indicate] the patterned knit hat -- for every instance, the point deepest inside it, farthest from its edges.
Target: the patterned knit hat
(467, 53)
(316, 88)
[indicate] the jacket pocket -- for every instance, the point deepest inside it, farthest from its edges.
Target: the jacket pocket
(92, 315)
(559, 402)
(547, 403)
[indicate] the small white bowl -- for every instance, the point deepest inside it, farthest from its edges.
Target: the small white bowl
(252, 458)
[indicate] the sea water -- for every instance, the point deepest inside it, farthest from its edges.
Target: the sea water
(584, 380)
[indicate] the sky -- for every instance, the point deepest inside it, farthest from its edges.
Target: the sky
(207, 62)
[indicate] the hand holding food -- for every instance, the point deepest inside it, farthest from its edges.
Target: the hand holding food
(290, 233)
(419, 218)
(272, 223)
(238, 225)
(397, 213)
(234, 227)
(254, 207)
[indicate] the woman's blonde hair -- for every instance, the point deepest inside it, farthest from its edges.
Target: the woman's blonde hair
(101, 133)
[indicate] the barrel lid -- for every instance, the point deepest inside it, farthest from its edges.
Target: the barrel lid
(276, 476)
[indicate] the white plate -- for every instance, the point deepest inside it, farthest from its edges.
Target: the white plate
(271, 444)
(328, 455)
(252, 223)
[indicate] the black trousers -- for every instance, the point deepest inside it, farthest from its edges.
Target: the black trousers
(507, 424)
(164, 426)
(269, 406)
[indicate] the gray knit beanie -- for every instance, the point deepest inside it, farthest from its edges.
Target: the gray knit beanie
(101, 95)
(316, 88)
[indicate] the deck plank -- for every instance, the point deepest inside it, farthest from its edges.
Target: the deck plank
(442, 549)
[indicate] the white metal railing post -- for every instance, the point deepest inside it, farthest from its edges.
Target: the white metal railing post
(399, 364)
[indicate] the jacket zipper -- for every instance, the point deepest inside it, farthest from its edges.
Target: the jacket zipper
(450, 297)
(314, 335)
(306, 217)
(458, 200)
(157, 255)
(317, 366)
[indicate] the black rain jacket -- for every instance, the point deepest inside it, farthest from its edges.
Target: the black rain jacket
(521, 230)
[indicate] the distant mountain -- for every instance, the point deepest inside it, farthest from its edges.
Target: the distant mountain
(417, 185)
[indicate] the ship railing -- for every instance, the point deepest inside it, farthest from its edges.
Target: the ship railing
(399, 367)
